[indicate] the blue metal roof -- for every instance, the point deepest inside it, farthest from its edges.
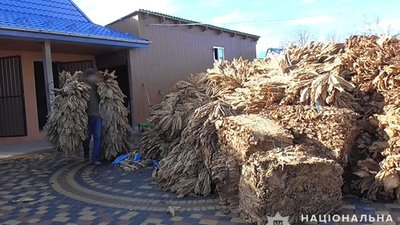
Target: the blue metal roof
(59, 20)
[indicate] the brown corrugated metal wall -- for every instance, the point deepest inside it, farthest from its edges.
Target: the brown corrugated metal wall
(12, 107)
(174, 54)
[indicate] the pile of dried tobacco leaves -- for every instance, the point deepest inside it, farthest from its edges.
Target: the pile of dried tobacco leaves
(334, 106)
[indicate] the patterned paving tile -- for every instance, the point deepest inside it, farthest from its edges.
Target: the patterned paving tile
(40, 189)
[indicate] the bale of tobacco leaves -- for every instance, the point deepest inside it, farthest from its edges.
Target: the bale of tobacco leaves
(331, 129)
(225, 174)
(289, 181)
(67, 122)
(239, 137)
(115, 125)
(243, 135)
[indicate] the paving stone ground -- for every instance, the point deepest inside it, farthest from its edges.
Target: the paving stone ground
(45, 189)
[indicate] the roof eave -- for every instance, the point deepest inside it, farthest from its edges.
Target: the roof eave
(36, 35)
(255, 37)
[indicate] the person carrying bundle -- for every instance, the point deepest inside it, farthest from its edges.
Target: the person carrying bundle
(94, 119)
(91, 78)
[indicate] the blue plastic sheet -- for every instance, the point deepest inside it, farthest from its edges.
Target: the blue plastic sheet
(155, 164)
(137, 157)
(119, 159)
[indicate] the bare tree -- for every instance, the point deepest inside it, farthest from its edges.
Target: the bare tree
(333, 37)
(299, 38)
(389, 30)
(376, 27)
(302, 37)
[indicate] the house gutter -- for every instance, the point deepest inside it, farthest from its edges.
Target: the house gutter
(69, 37)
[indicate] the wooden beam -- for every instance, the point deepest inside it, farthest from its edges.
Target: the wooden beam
(145, 15)
(48, 74)
(131, 74)
(162, 19)
(205, 28)
(177, 22)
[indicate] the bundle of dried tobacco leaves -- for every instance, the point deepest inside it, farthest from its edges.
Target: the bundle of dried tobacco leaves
(67, 122)
(186, 169)
(116, 129)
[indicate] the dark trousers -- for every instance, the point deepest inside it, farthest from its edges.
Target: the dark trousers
(93, 129)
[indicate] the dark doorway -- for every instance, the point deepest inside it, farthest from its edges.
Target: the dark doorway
(58, 67)
(123, 82)
(74, 66)
(41, 102)
(12, 102)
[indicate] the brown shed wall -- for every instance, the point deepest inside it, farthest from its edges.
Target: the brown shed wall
(174, 54)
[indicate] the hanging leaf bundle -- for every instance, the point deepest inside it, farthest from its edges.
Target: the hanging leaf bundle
(67, 122)
(170, 118)
(116, 129)
(187, 168)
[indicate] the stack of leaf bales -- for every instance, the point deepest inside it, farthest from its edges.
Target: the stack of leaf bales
(225, 174)
(276, 174)
(243, 135)
(333, 130)
(239, 137)
(290, 181)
